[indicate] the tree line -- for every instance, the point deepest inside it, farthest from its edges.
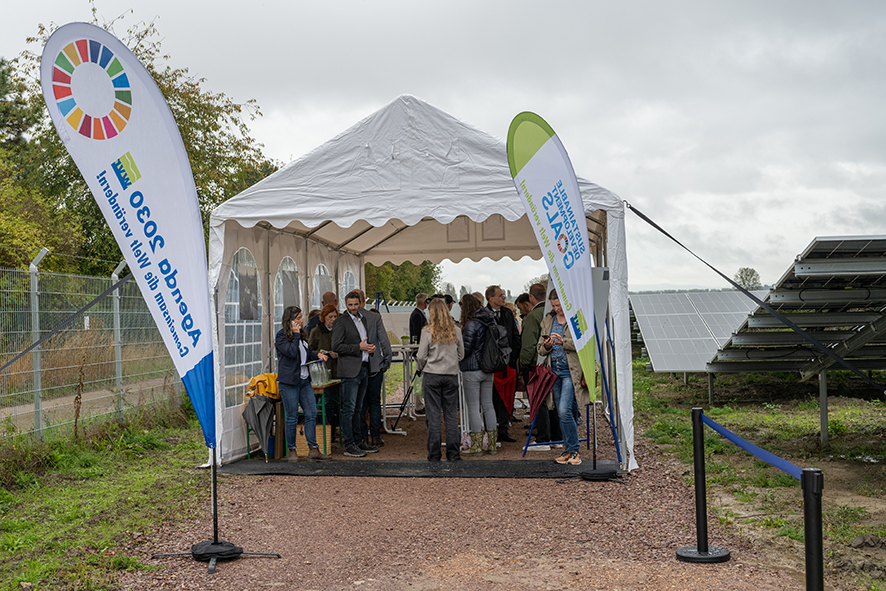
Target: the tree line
(44, 200)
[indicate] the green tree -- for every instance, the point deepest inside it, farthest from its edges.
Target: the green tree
(224, 158)
(404, 281)
(17, 115)
(748, 278)
(28, 221)
(543, 278)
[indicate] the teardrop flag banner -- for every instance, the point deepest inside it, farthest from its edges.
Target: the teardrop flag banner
(117, 127)
(546, 181)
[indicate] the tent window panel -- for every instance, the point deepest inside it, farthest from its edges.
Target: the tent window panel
(243, 312)
(322, 284)
(493, 228)
(348, 284)
(256, 353)
(234, 395)
(248, 280)
(238, 355)
(286, 291)
(459, 230)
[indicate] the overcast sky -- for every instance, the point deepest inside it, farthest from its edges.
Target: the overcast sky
(743, 128)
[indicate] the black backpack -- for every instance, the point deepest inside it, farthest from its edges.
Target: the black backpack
(496, 349)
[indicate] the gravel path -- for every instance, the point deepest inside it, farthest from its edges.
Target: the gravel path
(458, 534)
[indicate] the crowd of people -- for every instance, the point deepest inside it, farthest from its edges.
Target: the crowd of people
(355, 346)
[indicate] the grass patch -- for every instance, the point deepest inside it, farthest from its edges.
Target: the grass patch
(68, 509)
(781, 415)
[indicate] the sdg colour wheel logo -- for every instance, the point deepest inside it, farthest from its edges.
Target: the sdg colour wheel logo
(91, 89)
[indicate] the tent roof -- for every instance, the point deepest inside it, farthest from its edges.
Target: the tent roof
(408, 182)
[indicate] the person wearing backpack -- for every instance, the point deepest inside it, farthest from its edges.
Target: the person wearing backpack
(558, 347)
(504, 399)
(476, 321)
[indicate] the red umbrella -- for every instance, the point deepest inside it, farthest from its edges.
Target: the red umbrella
(541, 380)
(505, 383)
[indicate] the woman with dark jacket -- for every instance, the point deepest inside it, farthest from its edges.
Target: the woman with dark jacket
(320, 339)
(294, 381)
(475, 320)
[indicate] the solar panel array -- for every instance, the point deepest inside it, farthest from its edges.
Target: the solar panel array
(836, 291)
(682, 331)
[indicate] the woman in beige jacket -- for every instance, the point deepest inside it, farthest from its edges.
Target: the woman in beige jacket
(440, 350)
(558, 347)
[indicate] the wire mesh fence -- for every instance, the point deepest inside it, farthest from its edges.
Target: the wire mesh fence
(106, 363)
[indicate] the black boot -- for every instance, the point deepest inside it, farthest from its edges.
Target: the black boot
(504, 436)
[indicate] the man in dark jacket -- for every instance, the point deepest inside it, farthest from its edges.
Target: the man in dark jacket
(417, 319)
(504, 317)
(379, 362)
(350, 340)
(529, 355)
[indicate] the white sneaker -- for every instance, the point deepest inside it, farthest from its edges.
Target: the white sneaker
(534, 447)
(557, 445)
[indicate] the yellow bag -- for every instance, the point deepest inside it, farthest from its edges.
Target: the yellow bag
(264, 384)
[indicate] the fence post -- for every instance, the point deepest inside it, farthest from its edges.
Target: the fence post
(118, 349)
(812, 483)
(35, 334)
(701, 552)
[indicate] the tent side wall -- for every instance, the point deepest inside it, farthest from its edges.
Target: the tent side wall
(286, 270)
(243, 352)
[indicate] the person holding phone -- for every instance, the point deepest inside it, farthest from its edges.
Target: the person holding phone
(556, 344)
(294, 381)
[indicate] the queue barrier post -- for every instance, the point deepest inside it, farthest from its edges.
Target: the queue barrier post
(701, 553)
(812, 483)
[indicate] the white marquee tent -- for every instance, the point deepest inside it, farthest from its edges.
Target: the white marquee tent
(407, 183)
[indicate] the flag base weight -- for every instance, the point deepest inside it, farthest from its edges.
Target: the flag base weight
(713, 555)
(212, 551)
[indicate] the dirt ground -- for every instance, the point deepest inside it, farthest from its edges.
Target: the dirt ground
(460, 534)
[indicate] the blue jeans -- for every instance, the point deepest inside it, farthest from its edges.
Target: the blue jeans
(293, 397)
(353, 392)
(372, 405)
(567, 407)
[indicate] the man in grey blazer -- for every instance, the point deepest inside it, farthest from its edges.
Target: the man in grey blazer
(350, 340)
(379, 362)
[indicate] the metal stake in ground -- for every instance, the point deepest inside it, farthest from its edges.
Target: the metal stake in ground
(700, 553)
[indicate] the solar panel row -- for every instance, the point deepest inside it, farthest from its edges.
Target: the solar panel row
(683, 331)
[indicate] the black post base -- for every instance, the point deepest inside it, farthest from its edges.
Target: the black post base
(713, 555)
(211, 552)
